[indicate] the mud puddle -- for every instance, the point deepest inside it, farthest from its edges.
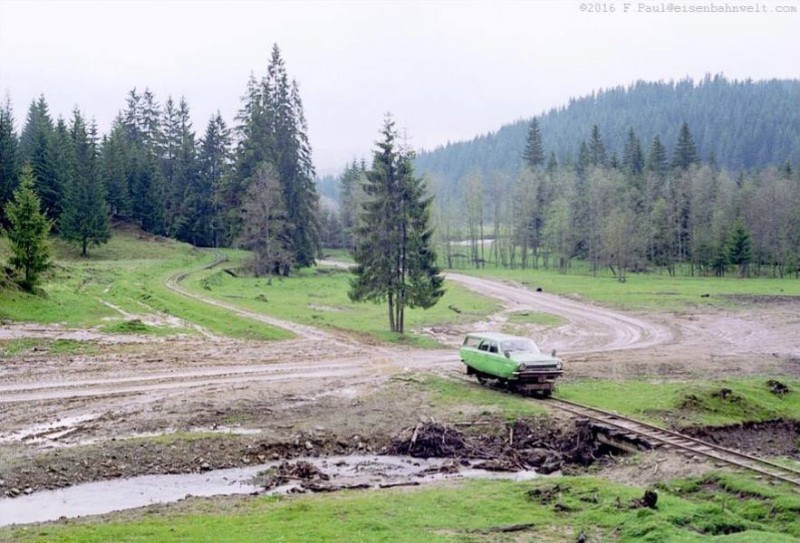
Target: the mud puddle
(300, 475)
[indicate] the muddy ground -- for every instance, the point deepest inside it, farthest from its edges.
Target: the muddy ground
(129, 405)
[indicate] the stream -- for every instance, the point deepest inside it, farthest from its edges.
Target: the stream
(119, 494)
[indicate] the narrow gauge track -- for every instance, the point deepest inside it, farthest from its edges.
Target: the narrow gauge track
(671, 439)
(681, 442)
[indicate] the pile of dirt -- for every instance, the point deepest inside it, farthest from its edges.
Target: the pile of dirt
(769, 438)
(778, 388)
(525, 443)
(287, 472)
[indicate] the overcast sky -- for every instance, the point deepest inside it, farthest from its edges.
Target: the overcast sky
(447, 70)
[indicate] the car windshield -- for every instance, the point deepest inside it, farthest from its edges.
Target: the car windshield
(525, 345)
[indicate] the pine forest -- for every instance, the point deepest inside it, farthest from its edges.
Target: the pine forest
(686, 177)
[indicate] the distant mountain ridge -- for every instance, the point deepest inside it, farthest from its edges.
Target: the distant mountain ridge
(745, 124)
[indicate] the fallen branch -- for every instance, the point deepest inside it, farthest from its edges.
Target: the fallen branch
(504, 529)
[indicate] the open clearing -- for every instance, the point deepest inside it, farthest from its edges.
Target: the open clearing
(79, 404)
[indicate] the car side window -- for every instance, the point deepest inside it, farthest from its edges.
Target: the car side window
(493, 348)
(483, 346)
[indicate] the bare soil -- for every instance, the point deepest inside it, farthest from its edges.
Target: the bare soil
(138, 405)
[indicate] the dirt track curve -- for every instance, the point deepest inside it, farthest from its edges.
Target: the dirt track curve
(590, 329)
(316, 354)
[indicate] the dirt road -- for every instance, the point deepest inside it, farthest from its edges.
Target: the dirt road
(315, 354)
(320, 379)
(590, 329)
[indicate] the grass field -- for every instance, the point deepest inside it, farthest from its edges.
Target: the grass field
(121, 284)
(555, 509)
(692, 403)
(649, 291)
(318, 296)
(471, 399)
(128, 273)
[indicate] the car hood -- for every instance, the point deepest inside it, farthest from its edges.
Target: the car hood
(533, 359)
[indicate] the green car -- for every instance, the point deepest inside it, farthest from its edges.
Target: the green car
(515, 362)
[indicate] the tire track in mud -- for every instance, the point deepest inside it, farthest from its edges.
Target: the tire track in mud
(133, 385)
(591, 329)
(300, 330)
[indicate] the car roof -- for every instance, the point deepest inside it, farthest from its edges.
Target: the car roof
(494, 336)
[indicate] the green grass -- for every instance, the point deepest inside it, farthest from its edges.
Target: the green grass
(532, 317)
(318, 296)
(688, 404)
(649, 291)
(716, 508)
(136, 326)
(470, 399)
(340, 255)
(519, 322)
(16, 347)
(128, 272)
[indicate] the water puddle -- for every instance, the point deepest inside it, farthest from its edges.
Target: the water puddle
(119, 494)
(52, 431)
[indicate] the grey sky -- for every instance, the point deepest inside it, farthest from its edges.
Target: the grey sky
(447, 70)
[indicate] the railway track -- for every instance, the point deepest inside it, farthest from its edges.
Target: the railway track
(670, 439)
(681, 442)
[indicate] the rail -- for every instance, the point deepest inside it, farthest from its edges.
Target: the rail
(682, 442)
(675, 440)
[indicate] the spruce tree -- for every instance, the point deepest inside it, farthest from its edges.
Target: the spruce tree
(597, 149)
(27, 233)
(272, 129)
(552, 164)
(292, 159)
(63, 169)
(114, 171)
(179, 165)
(40, 147)
(632, 156)
(685, 153)
(85, 217)
(395, 260)
(200, 224)
(351, 190)
(9, 165)
(740, 248)
(37, 122)
(142, 128)
(657, 158)
(534, 152)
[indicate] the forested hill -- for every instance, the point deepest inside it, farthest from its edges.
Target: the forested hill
(745, 124)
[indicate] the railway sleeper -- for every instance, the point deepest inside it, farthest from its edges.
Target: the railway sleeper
(620, 439)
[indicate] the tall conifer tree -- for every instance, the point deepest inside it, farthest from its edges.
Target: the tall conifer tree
(85, 216)
(200, 224)
(685, 153)
(272, 129)
(27, 232)
(657, 158)
(534, 151)
(9, 159)
(597, 149)
(632, 156)
(394, 256)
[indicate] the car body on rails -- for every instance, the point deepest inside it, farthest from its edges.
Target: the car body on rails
(513, 361)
